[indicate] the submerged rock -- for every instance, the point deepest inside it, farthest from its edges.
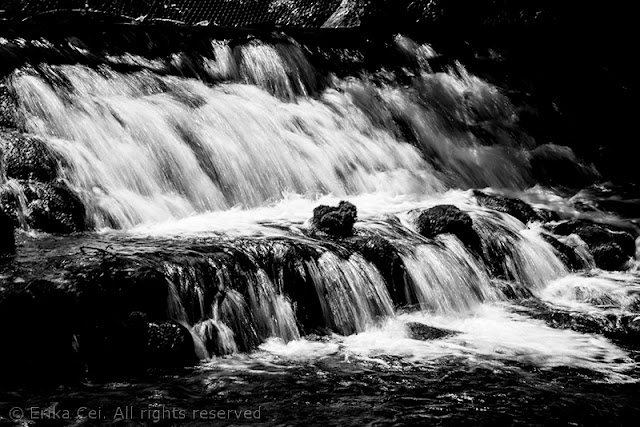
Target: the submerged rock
(610, 248)
(27, 157)
(444, 219)
(422, 332)
(7, 237)
(51, 207)
(620, 326)
(336, 221)
(514, 207)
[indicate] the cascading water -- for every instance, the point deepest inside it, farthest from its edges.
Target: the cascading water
(223, 158)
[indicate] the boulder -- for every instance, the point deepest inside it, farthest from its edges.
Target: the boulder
(27, 157)
(335, 221)
(51, 207)
(444, 219)
(164, 344)
(8, 113)
(610, 257)
(610, 248)
(422, 332)
(514, 207)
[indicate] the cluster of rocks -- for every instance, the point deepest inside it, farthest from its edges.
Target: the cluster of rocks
(610, 248)
(31, 191)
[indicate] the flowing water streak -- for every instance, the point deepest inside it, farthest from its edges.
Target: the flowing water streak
(352, 293)
(446, 278)
(136, 155)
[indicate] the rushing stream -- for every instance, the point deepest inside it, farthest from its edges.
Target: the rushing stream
(206, 171)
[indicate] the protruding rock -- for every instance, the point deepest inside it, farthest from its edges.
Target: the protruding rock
(611, 249)
(8, 114)
(385, 257)
(336, 221)
(443, 219)
(27, 157)
(422, 332)
(514, 207)
(164, 344)
(50, 207)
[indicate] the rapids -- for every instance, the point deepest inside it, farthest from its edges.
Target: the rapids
(198, 176)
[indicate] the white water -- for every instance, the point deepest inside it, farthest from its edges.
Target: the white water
(255, 152)
(491, 336)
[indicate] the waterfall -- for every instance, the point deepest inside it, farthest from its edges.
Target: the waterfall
(237, 146)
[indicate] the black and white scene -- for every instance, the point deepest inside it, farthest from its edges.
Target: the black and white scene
(319, 213)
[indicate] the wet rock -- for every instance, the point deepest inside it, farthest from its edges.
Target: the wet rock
(547, 215)
(422, 332)
(335, 221)
(8, 112)
(7, 237)
(619, 326)
(611, 249)
(610, 257)
(165, 344)
(51, 207)
(443, 219)
(381, 253)
(285, 261)
(27, 157)
(566, 254)
(514, 207)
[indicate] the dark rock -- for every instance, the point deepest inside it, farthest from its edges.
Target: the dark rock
(558, 165)
(336, 221)
(27, 157)
(7, 237)
(381, 253)
(596, 234)
(166, 344)
(448, 219)
(171, 344)
(285, 261)
(547, 215)
(514, 207)
(566, 254)
(51, 207)
(619, 326)
(610, 248)
(8, 111)
(610, 257)
(422, 332)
